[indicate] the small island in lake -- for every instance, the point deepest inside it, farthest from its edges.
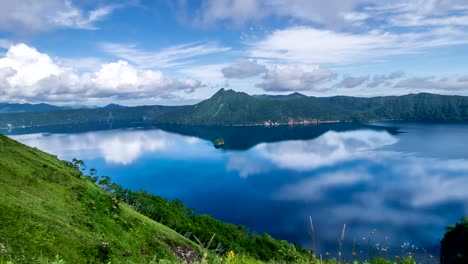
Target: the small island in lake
(219, 142)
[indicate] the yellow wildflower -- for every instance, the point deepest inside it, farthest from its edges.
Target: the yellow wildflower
(231, 255)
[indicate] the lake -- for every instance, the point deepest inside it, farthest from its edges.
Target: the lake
(406, 181)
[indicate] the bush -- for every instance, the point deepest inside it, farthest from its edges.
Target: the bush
(454, 245)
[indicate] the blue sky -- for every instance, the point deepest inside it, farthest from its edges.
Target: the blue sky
(179, 51)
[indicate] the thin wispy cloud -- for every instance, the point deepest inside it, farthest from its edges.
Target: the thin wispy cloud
(326, 46)
(73, 17)
(29, 16)
(173, 56)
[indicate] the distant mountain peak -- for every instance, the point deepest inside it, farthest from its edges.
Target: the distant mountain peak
(113, 106)
(227, 92)
(297, 94)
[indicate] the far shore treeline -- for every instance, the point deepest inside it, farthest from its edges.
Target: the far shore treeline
(228, 107)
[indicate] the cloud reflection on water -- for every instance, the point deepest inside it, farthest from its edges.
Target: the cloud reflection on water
(356, 177)
(118, 147)
(327, 150)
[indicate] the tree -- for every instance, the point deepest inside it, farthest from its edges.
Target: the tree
(454, 245)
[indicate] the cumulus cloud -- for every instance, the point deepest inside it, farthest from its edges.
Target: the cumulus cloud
(33, 16)
(281, 78)
(351, 82)
(29, 75)
(244, 69)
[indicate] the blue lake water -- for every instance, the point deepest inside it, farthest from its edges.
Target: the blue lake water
(405, 180)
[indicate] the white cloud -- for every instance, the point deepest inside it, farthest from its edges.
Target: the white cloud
(32, 16)
(30, 65)
(312, 188)
(240, 12)
(433, 84)
(280, 78)
(329, 149)
(178, 55)
(421, 13)
(206, 72)
(73, 17)
(117, 147)
(243, 69)
(382, 79)
(309, 45)
(237, 11)
(28, 75)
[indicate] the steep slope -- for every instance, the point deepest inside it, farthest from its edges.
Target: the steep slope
(48, 209)
(228, 107)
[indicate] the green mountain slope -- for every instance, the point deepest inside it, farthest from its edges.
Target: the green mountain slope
(16, 108)
(48, 209)
(228, 107)
(82, 116)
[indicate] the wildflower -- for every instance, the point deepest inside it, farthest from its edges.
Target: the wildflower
(231, 255)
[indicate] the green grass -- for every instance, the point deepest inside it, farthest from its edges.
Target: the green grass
(47, 209)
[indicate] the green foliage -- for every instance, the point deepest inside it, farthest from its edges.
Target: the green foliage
(201, 228)
(234, 108)
(96, 116)
(15, 108)
(228, 107)
(454, 245)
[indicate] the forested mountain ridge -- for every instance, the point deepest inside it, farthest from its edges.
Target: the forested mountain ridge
(19, 108)
(228, 107)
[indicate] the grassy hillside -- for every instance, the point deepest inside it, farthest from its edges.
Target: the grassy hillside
(48, 209)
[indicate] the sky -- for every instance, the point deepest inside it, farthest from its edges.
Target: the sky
(172, 52)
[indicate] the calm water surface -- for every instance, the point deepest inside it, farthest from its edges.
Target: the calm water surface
(405, 180)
